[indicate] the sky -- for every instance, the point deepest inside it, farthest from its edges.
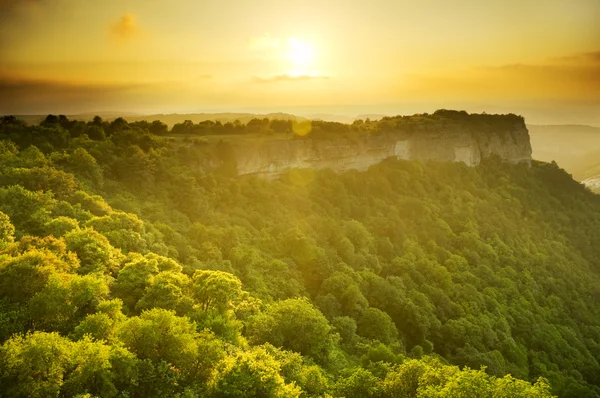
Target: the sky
(537, 58)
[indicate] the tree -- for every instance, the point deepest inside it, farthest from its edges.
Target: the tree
(123, 230)
(377, 325)
(168, 290)
(24, 275)
(50, 120)
(346, 328)
(60, 226)
(100, 370)
(159, 128)
(35, 365)
(293, 324)
(351, 300)
(359, 383)
(405, 379)
(85, 167)
(133, 279)
(47, 179)
(95, 204)
(66, 300)
(93, 250)
(103, 324)
(95, 133)
(118, 125)
(7, 230)
(46, 364)
(96, 121)
(252, 373)
(159, 334)
(28, 211)
(31, 157)
(431, 378)
(216, 289)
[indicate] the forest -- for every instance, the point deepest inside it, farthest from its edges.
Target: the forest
(130, 269)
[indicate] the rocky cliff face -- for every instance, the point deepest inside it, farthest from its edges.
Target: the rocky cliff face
(272, 157)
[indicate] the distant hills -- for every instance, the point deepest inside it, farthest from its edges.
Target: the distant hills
(576, 148)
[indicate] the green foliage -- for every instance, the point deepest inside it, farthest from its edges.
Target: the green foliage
(133, 279)
(60, 183)
(7, 230)
(93, 250)
(358, 383)
(216, 289)
(46, 364)
(23, 276)
(295, 325)
(252, 373)
(431, 378)
(159, 334)
(168, 290)
(92, 203)
(409, 279)
(103, 324)
(377, 325)
(60, 226)
(65, 300)
(28, 211)
(34, 366)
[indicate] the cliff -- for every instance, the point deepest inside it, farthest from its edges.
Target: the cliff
(464, 140)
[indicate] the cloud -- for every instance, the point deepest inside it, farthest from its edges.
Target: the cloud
(18, 96)
(125, 28)
(262, 43)
(7, 4)
(13, 9)
(288, 78)
(574, 77)
(23, 95)
(592, 57)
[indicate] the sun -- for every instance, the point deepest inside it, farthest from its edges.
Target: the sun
(301, 54)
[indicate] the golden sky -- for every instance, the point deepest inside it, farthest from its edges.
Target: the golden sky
(539, 58)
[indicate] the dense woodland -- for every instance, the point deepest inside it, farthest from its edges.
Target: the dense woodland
(283, 125)
(129, 269)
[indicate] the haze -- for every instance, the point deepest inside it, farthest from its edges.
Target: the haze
(538, 59)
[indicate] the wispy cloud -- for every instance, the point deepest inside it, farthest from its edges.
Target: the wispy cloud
(574, 77)
(125, 28)
(288, 78)
(19, 96)
(5, 4)
(586, 57)
(12, 8)
(264, 42)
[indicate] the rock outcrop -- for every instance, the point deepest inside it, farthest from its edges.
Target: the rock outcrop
(270, 158)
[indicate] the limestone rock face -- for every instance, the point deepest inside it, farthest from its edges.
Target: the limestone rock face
(270, 158)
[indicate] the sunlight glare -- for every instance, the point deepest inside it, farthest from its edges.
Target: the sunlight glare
(301, 54)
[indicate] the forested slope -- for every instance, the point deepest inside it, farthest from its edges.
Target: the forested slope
(129, 269)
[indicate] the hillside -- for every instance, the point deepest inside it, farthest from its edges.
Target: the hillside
(134, 264)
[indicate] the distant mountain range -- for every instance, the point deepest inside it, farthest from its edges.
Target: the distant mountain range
(576, 148)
